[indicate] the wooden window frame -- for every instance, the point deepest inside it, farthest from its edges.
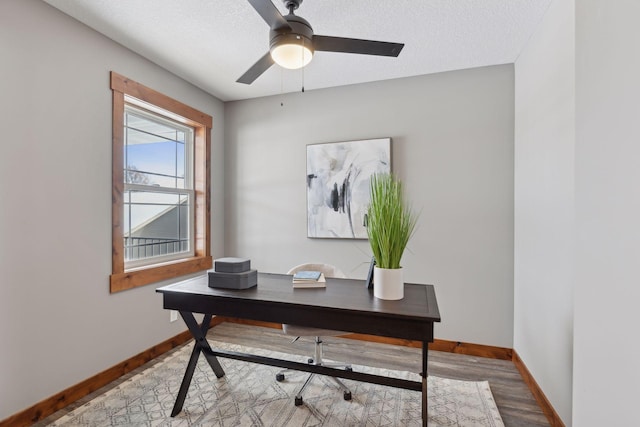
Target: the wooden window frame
(149, 99)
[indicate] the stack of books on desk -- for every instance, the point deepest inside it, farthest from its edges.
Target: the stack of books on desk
(309, 279)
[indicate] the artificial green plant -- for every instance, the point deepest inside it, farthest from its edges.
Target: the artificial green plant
(390, 220)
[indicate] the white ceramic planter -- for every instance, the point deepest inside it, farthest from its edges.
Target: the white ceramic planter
(388, 283)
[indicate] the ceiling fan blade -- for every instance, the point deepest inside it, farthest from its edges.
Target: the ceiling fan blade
(270, 14)
(256, 69)
(365, 47)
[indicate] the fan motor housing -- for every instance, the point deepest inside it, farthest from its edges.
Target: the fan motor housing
(301, 31)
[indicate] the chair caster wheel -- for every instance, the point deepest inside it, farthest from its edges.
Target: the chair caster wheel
(279, 377)
(348, 368)
(310, 361)
(298, 400)
(347, 395)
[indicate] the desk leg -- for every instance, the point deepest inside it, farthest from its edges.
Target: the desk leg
(425, 408)
(199, 333)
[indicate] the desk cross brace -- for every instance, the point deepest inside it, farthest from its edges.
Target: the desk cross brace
(318, 369)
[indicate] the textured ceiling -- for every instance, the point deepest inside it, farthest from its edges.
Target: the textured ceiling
(210, 43)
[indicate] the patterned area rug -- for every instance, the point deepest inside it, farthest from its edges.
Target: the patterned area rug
(248, 395)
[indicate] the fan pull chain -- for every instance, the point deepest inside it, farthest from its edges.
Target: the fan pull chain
(302, 59)
(281, 86)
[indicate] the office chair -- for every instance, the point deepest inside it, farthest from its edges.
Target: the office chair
(317, 334)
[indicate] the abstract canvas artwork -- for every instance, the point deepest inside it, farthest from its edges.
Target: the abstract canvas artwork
(338, 176)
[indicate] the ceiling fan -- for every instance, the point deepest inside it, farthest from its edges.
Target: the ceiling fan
(292, 41)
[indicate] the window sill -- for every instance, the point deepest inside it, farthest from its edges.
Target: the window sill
(146, 275)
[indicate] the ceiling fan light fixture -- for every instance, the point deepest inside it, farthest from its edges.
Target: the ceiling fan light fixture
(292, 52)
(292, 41)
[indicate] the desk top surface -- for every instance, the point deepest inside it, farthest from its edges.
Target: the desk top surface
(419, 301)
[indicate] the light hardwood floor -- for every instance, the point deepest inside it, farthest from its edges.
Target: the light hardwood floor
(515, 402)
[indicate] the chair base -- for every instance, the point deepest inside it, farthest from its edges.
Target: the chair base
(346, 393)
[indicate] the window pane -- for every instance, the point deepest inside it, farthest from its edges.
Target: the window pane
(161, 130)
(157, 224)
(184, 216)
(155, 153)
(155, 160)
(180, 161)
(134, 176)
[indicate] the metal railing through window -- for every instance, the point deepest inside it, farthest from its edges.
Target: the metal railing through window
(146, 247)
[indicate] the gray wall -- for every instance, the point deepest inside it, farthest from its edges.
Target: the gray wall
(606, 346)
(544, 205)
(452, 145)
(58, 323)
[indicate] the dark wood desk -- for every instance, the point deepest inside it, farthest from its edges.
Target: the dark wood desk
(345, 305)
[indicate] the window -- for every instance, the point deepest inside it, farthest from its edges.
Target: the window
(160, 187)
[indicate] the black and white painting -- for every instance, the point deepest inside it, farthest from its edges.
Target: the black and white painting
(338, 176)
